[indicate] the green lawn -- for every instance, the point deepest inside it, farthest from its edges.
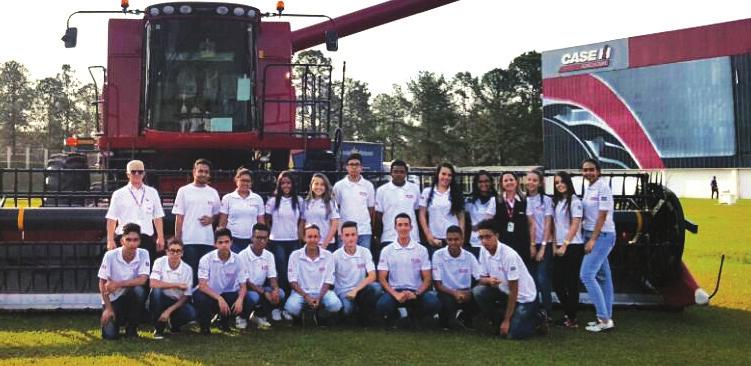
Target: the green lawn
(717, 335)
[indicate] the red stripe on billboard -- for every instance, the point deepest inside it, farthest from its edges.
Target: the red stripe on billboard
(590, 93)
(715, 40)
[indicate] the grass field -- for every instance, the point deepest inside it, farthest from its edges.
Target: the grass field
(719, 334)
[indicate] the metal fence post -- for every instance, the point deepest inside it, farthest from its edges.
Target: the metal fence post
(9, 153)
(28, 157)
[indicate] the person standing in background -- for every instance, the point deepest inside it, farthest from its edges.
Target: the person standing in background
(241, 210)
(715, 189)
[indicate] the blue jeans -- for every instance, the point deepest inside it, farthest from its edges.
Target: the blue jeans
(595, 274)
(239, 244)
(492, 303)
(426, 304)
(128, 309)
(542, 272)
(192, 254)
(159, 302)
(253, 299)
(208, 307)
(330, 304)
(282, 249)
(364, 301)
(363, 240)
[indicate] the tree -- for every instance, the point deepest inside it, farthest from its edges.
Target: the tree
(435, 115)
(390, 112)
(15, 99)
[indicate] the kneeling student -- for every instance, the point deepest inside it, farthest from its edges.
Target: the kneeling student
(221, 282)
(263, 287)
(171, 282)
(122, 277)
(504, 278)
(354, 275)
(311, 274)
(453, 271)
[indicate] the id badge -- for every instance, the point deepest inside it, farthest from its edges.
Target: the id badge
(510, 227)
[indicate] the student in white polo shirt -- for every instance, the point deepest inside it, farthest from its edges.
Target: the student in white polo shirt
(540, 216)
(221, 284)
(404, 273)
(393, 198)
(355, 276)
(263, 287)
(140, 204)
(311, 275)
(454, 269)
(481, 205)
(240, 210)
(122, 277)
(441, 205)
(171, 287)
(504, 279)
(195, 209)
(355, 197)
(320, 210)
(284, 213)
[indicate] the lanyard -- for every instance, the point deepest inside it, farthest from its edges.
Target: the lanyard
(139, 204)
(509, 208)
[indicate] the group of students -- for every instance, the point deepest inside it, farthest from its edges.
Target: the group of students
(517, 245)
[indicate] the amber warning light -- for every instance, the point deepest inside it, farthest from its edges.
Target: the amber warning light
(280, 7)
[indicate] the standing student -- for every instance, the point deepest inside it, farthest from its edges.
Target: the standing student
(122, 277)
(506, 292)
(481, 205)
(540, 216)
(241, 210)
(284, 215)
(320, 210)
(511, 216)
(196, 207)
(397, 196)
(454, 269)
(355, 197)
(599, 236)
(569, 248)
(441, 205)
(311, 275)
(171, 287)
(140, 204)
(715, 189)
(355, 275)
(221, 284)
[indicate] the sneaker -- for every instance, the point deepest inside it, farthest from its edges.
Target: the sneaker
(286, 316)
(561, 322)
(261, 323)
(241, 323)
(131, 332)
(276, 315)
(589, 324)
(223, 325)
(601, 326)
(571, 324)
(307, 318)
(205, 331)
(158, 334)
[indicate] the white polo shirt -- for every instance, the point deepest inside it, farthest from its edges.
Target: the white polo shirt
(258, 268)
(404, 264)
(182, 274)
(439, 212)
(538, 209)
(391, 200)
(139, 206)
(242, 213)
(193, 202)
(597, 197)
(506, 265)
(563, 223)
(222, 276)
(479, 211)
(315, 214)
(351, 269)
(455, 273)
(354, 199)
(115, 268)
(311, 274)
(284, 220)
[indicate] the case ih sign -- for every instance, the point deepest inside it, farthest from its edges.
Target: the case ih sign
(587, 59)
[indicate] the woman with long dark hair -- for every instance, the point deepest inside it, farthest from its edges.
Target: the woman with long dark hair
(441, 206)
(284, 215)
(540, 215)
(599, 236)
(320, 210)
(481, 205)
(569, 248)
(511, 216)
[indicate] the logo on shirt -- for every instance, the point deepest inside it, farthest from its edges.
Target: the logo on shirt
(265, 267)
(321, 269)
(364, 194)
(360, 265)
(410, 196)
(513, 268)
(463, 270)
(416, 261)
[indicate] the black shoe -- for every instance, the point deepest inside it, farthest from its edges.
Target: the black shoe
(158, 334)
(205, 331)
(223, 325)
(561, 322)
(131, 332)
(307, 318)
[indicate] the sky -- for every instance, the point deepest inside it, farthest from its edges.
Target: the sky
(468, 35)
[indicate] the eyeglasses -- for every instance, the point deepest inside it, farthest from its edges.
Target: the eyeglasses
(175, 251)
(137, 172)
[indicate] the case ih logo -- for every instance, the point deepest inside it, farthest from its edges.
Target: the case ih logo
(582, 60)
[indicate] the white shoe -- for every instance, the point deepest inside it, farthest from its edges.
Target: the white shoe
(241, 323)
(601, 326)
(261, 322)
(287, 316)
(276, 315)
(403, 313)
